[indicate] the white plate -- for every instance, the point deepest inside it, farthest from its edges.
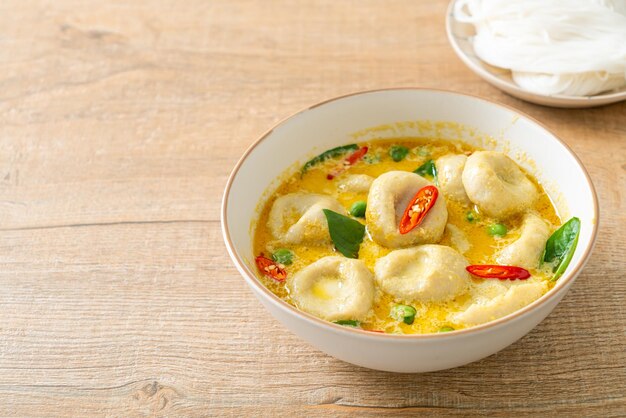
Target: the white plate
(459, 35)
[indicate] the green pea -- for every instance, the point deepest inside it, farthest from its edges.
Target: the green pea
(398, 152)
(283, 256)
(446, 329)
(358, 209)
(348, 323)
(471, 216)
(497, 230)
(404, 313)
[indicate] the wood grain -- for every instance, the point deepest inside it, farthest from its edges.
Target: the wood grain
(119, 124)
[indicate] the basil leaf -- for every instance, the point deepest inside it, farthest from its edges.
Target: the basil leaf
(331, 153)
(348, 323)
(347, 234)
(561, 245)
(428, 169)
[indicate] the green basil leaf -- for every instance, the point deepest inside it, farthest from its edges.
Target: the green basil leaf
(346, 233)
(561, 245)
(428, 169)
(331, 153)
(348, 323)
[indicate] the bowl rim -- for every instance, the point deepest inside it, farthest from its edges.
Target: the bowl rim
(252, 279)
(597, 99)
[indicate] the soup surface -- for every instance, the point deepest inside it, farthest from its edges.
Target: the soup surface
(413, 292)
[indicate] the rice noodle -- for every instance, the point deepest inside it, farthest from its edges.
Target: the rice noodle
(569, 47)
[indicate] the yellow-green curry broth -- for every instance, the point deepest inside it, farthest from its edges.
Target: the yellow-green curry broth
(430, 317)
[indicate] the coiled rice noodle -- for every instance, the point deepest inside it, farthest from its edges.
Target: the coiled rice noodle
(567, 47)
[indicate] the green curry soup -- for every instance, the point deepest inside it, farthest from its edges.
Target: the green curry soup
(357, 238)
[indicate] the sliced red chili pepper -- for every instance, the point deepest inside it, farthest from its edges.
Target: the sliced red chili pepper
(380, 331)
(350, 160)
(271, 269)
(417, 208)
(492, 271)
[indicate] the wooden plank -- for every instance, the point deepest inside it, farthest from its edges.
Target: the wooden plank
(119, 124)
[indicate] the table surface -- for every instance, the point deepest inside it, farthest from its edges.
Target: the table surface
(119, 124)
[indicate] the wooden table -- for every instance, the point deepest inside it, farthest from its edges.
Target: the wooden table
(119, 124)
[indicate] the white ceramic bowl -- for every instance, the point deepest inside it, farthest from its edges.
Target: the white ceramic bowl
(333, 123)
(459, 36)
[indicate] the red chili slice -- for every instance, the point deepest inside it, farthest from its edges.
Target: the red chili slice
(377, 330)
(271, 269)
(491, 271)
(418, 207)
(350, 160)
